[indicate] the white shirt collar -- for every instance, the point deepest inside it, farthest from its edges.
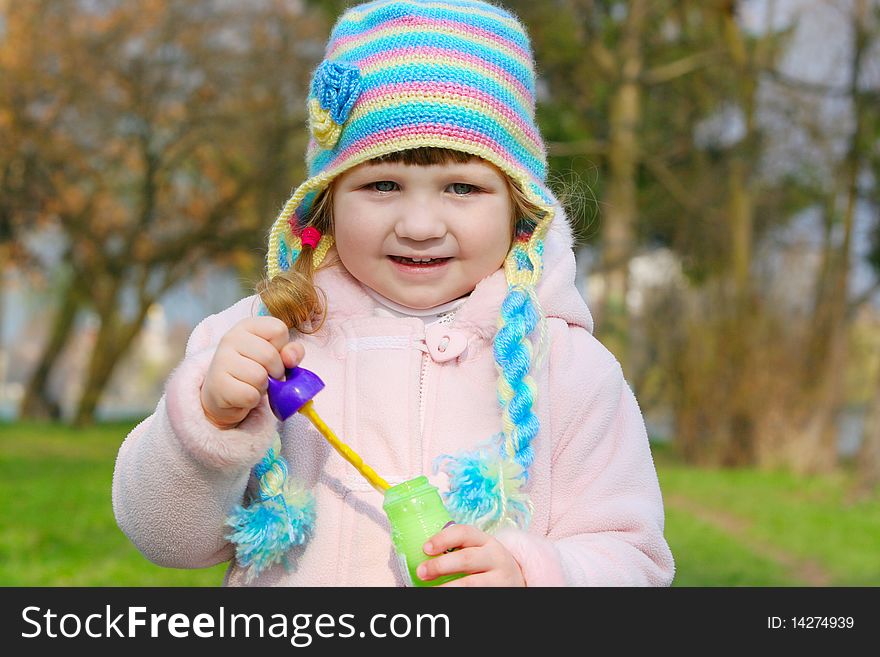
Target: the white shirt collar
(389, 308)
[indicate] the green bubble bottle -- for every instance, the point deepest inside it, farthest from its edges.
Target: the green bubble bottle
(416, 513)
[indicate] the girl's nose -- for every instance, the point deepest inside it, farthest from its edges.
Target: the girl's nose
(420, 221)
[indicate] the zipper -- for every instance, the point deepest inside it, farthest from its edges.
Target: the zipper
(448, 319)
(422, 377)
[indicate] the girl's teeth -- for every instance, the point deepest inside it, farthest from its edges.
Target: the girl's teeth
(420, 261)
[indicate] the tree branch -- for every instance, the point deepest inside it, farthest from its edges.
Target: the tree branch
(666, 178)
(603, 58)
(789, 82)
(681, 67)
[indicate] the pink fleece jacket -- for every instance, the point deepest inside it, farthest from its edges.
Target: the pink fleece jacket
(400, 399)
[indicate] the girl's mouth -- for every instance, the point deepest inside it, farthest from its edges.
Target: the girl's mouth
(420, 262)
(419, 267)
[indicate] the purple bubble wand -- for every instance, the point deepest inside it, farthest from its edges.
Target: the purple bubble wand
(294, 395)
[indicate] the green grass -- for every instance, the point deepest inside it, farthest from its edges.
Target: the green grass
(769, 528)
(705, 556)
(58, 527)
(725, 527)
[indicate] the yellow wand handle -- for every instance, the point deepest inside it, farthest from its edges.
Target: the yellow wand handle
(344, 450)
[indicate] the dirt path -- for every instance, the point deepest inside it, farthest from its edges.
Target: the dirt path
(805, 571)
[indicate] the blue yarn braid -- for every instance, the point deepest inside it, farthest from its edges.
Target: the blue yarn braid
(513, 355)
(487, 486)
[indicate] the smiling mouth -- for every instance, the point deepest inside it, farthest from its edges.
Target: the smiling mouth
(419, 262)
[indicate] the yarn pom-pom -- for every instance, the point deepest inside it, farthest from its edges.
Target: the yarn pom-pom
(264, 531)
(485, 488)
(280, 517)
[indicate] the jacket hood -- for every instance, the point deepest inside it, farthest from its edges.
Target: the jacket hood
(557, 290)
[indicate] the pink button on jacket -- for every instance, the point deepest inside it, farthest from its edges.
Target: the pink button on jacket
(400, 401)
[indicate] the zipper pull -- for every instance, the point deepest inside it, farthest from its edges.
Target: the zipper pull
(444, 342)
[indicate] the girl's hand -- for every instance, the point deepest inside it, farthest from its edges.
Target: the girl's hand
(238, 375)
(483, 557)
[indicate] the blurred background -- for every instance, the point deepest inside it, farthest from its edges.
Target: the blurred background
(721, 162)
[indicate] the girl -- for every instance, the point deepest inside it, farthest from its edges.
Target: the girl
(425, 272)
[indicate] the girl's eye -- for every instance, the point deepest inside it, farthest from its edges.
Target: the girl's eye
(459, 189)
(462, 189)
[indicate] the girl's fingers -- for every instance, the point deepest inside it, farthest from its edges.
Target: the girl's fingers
(270, 329)
(455, 536)
(239, 394)
(250, 372)
(292, 354)
(466, 557)
(466, 560)
(264, 353)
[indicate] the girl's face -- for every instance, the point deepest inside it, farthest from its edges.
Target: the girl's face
(385, 214)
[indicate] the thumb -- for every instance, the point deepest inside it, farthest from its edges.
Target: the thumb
(292, 354)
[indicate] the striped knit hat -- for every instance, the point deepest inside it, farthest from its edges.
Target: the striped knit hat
(402, 74)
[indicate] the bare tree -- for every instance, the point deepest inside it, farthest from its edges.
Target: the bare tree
(175, 122)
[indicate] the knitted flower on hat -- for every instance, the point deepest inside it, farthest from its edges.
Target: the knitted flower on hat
(335, 88)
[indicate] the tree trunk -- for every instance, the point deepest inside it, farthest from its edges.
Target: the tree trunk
(817, 346)
(113, 340)
(618, 228)
(741, 215)
(739, 447)
(818, 452)
(37, 403)
(115, 336)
